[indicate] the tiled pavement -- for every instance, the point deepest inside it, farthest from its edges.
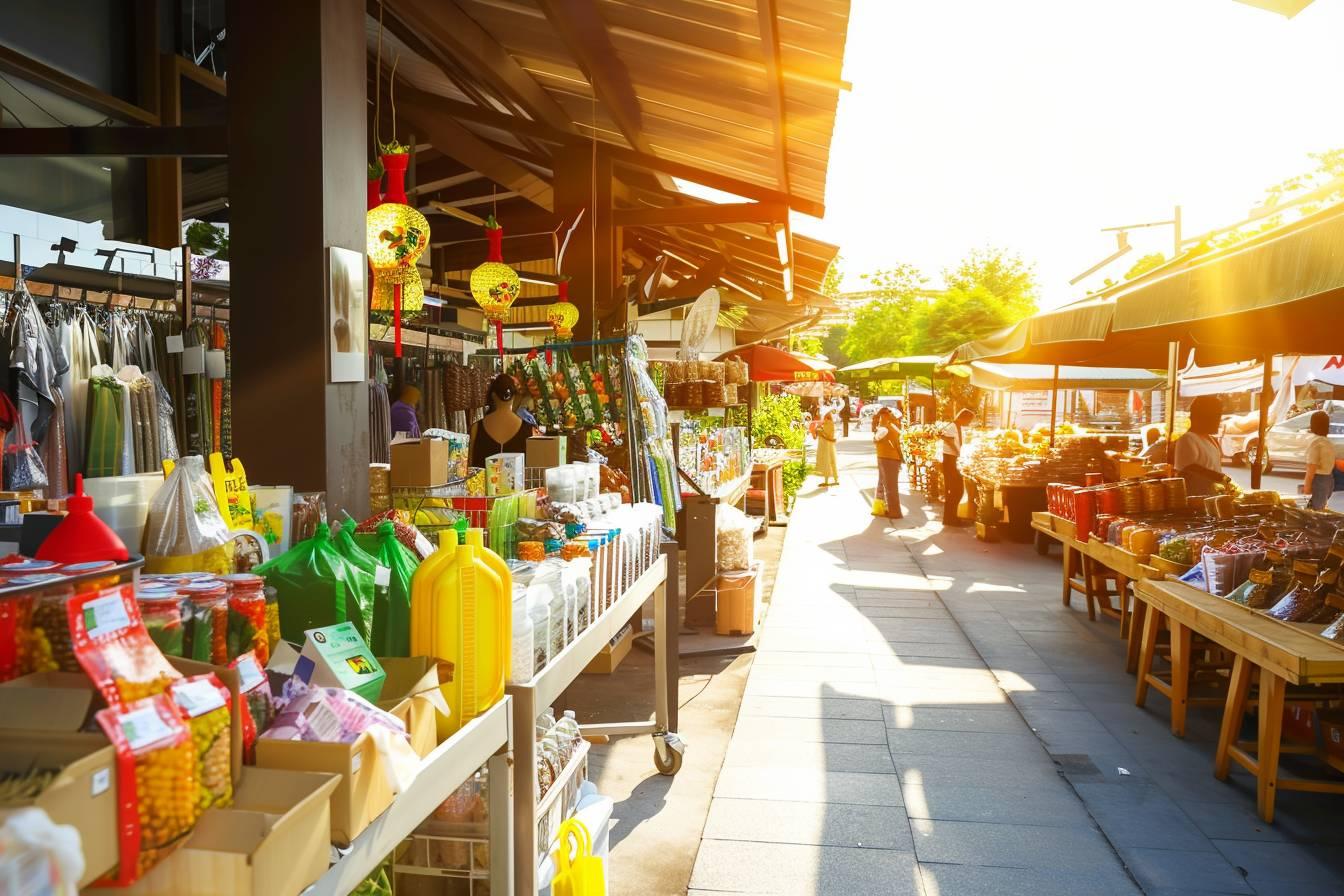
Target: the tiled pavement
(924, 717)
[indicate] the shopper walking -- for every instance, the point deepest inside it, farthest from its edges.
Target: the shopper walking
(949, 449)
(887, 442)
(1198, 458)
(404, 419)
(827, 468)
(845, 415)
(1319, 482)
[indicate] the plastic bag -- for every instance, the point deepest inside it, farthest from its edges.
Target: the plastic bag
(373, 584)
(156, 782)
(37, 856)
(185, 532)
(257, 709)
(317, 587)
(205, 703)
(733, 531)
(393, 631)
(114, 648)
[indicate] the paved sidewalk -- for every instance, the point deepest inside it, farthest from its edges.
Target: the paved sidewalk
(924, 717)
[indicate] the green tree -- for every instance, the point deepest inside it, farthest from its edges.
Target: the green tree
(832, 346)
(1002, 273)
(1150, 262)
(808, 345)
(882, 328)
(830, 282)
(960, 315)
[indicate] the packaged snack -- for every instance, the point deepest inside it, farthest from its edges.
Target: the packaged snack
(205, 703)
(50, 648)
(185, 530)
(531, 551)
(247, 616)
(327, 715)
(156, 782)
(254, 692)
(114, 649)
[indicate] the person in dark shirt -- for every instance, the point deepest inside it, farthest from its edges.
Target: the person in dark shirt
(403, 412)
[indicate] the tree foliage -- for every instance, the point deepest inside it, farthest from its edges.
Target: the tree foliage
(832, 346)
(1149, 262)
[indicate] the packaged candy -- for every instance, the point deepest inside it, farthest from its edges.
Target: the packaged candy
(156, 782)
(50, 648)
(254, 692)
(205, 703)
(114, 649)
(327, 715)
(247, 616)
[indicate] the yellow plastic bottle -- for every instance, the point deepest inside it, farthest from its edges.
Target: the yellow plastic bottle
(422, 588)
(471, 627)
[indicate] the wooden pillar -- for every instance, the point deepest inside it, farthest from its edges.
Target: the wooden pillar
(1266, 398)
(296, 188)
(583, 180)
(163, 176)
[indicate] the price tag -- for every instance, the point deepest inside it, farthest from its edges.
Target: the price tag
(101, 780)
(382, 576)
(174, 345)
(193, 360)
(249, 672)
(198, 697)
(214, 364)
(105, 615)
(144, 727)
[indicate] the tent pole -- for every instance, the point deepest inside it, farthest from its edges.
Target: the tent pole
(1266, 384)
(1173, 359)
(1054, 404)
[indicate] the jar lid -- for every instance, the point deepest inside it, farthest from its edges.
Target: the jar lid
(28, 567)
(202, 590)
(35, 579)
(76, 569)
(242, 578)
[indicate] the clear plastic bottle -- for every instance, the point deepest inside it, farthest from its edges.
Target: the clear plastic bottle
(545, 722)
(539, 610)
(581, 568)
(559, 625)
(568, 734)
(549, 751)
(523, 662)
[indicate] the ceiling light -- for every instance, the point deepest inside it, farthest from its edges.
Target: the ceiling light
(782, 244)
(742, 289)
(787, 274)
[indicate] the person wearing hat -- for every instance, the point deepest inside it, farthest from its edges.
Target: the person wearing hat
(949, 449)
(887, 442)
(404, 419)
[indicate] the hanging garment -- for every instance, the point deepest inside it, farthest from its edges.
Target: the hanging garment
(81, 341)
(103, 438)
(146, 356)
(119, 343)
(164, 417)
(124, 377)
(54, 449)
(196, 394)
(380, 424)
(145, 400)
(33, 360)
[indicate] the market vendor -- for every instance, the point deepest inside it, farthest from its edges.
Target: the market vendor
(404, 419)
(1198, 458)
(949, 449)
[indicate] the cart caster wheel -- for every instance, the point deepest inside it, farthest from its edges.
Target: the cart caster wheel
(668, 750)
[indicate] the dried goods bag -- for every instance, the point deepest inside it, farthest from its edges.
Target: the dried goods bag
(185, 531)
(733, 531)
(114, 648)
(256, 708)
(205, 703)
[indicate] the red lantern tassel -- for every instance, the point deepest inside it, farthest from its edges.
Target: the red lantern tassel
(499, 337)
(396, 320)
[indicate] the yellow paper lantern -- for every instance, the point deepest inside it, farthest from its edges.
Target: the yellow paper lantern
(495, 285)
(396, 235)
(563, 314)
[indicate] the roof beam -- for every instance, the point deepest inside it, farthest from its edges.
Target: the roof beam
(724, 182)
(139, 142)
(17, 64)
(774, 78)
(455, 140)
(443, 22)
(726, 213)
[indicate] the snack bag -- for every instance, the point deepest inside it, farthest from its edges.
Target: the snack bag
(114, 648)
(205, 703)
(254, 693)
(185, 532)
(156, 783)
(316, 587)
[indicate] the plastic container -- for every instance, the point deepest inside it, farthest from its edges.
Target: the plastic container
(567, 734)
(582, 570)
(561, 484)
(81, 536)
(523, 662)
(208, 631)
(247, 616)
(162, 611)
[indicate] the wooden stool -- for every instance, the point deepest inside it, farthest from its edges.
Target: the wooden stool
(1182, 647)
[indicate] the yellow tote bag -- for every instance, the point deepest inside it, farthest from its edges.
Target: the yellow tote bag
(583, 874)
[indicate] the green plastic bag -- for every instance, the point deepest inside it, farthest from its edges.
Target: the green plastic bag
(374, 600)
(317, 587)
(394, 631)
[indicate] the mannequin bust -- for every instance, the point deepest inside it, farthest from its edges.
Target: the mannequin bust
(501, 430)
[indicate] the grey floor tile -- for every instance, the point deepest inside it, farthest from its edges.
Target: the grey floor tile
(777, 868)
(1034, 700)
(872, 612)
(1284, 862)
(978, 880)
(915, 769)
(1182, 868)
(1047, 804)
(1061, 721)
(813, 708)
(1020, 682)
(808, 785)
(915, 647)
(1142, 816)
(833, 731)
(1224, 821)
(956, 718)
(770, 753)
(811, 823)
(968, 744)
(1010, 845)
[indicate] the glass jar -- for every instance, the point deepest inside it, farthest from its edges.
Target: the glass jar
(161, 609)
(50, 648)
(247, 616)
(208, 612)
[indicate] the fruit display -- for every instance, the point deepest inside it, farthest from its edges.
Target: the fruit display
(1006, 457)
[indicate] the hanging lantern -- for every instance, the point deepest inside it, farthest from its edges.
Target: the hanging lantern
(396, 235)
(563, 314)
(495, 285)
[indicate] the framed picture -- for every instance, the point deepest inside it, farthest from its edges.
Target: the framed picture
(347, 314)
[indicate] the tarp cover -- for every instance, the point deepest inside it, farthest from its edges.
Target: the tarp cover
(768, 364)
(1035, 377)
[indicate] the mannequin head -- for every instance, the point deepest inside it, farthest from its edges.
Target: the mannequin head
(501, 392)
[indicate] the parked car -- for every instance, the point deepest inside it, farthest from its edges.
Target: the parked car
(1287, 441)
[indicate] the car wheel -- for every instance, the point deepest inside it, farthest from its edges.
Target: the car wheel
(1239, 459)
(1253, 455)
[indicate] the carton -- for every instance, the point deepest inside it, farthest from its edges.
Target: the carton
(414, 681)
(546, 451)
(273, 839)
(363, 792)
(229, 678)
(41, 714)
(335, 656)
(419, 463)
(612, 655)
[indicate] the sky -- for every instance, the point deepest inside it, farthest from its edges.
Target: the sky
(1031, 124)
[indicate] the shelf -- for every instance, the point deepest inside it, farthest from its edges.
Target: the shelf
(560, 672)
(441, 772)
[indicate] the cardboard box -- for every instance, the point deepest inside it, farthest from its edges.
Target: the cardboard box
(546, 451)
(411, 691)
(229, 678)
(419, 463)
(363, 792)
(42, 714)
(611, 656)
(335, 656)
(272, 840)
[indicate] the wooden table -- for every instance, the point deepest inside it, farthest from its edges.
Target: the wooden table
(1086, 566)
(1279, 653)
